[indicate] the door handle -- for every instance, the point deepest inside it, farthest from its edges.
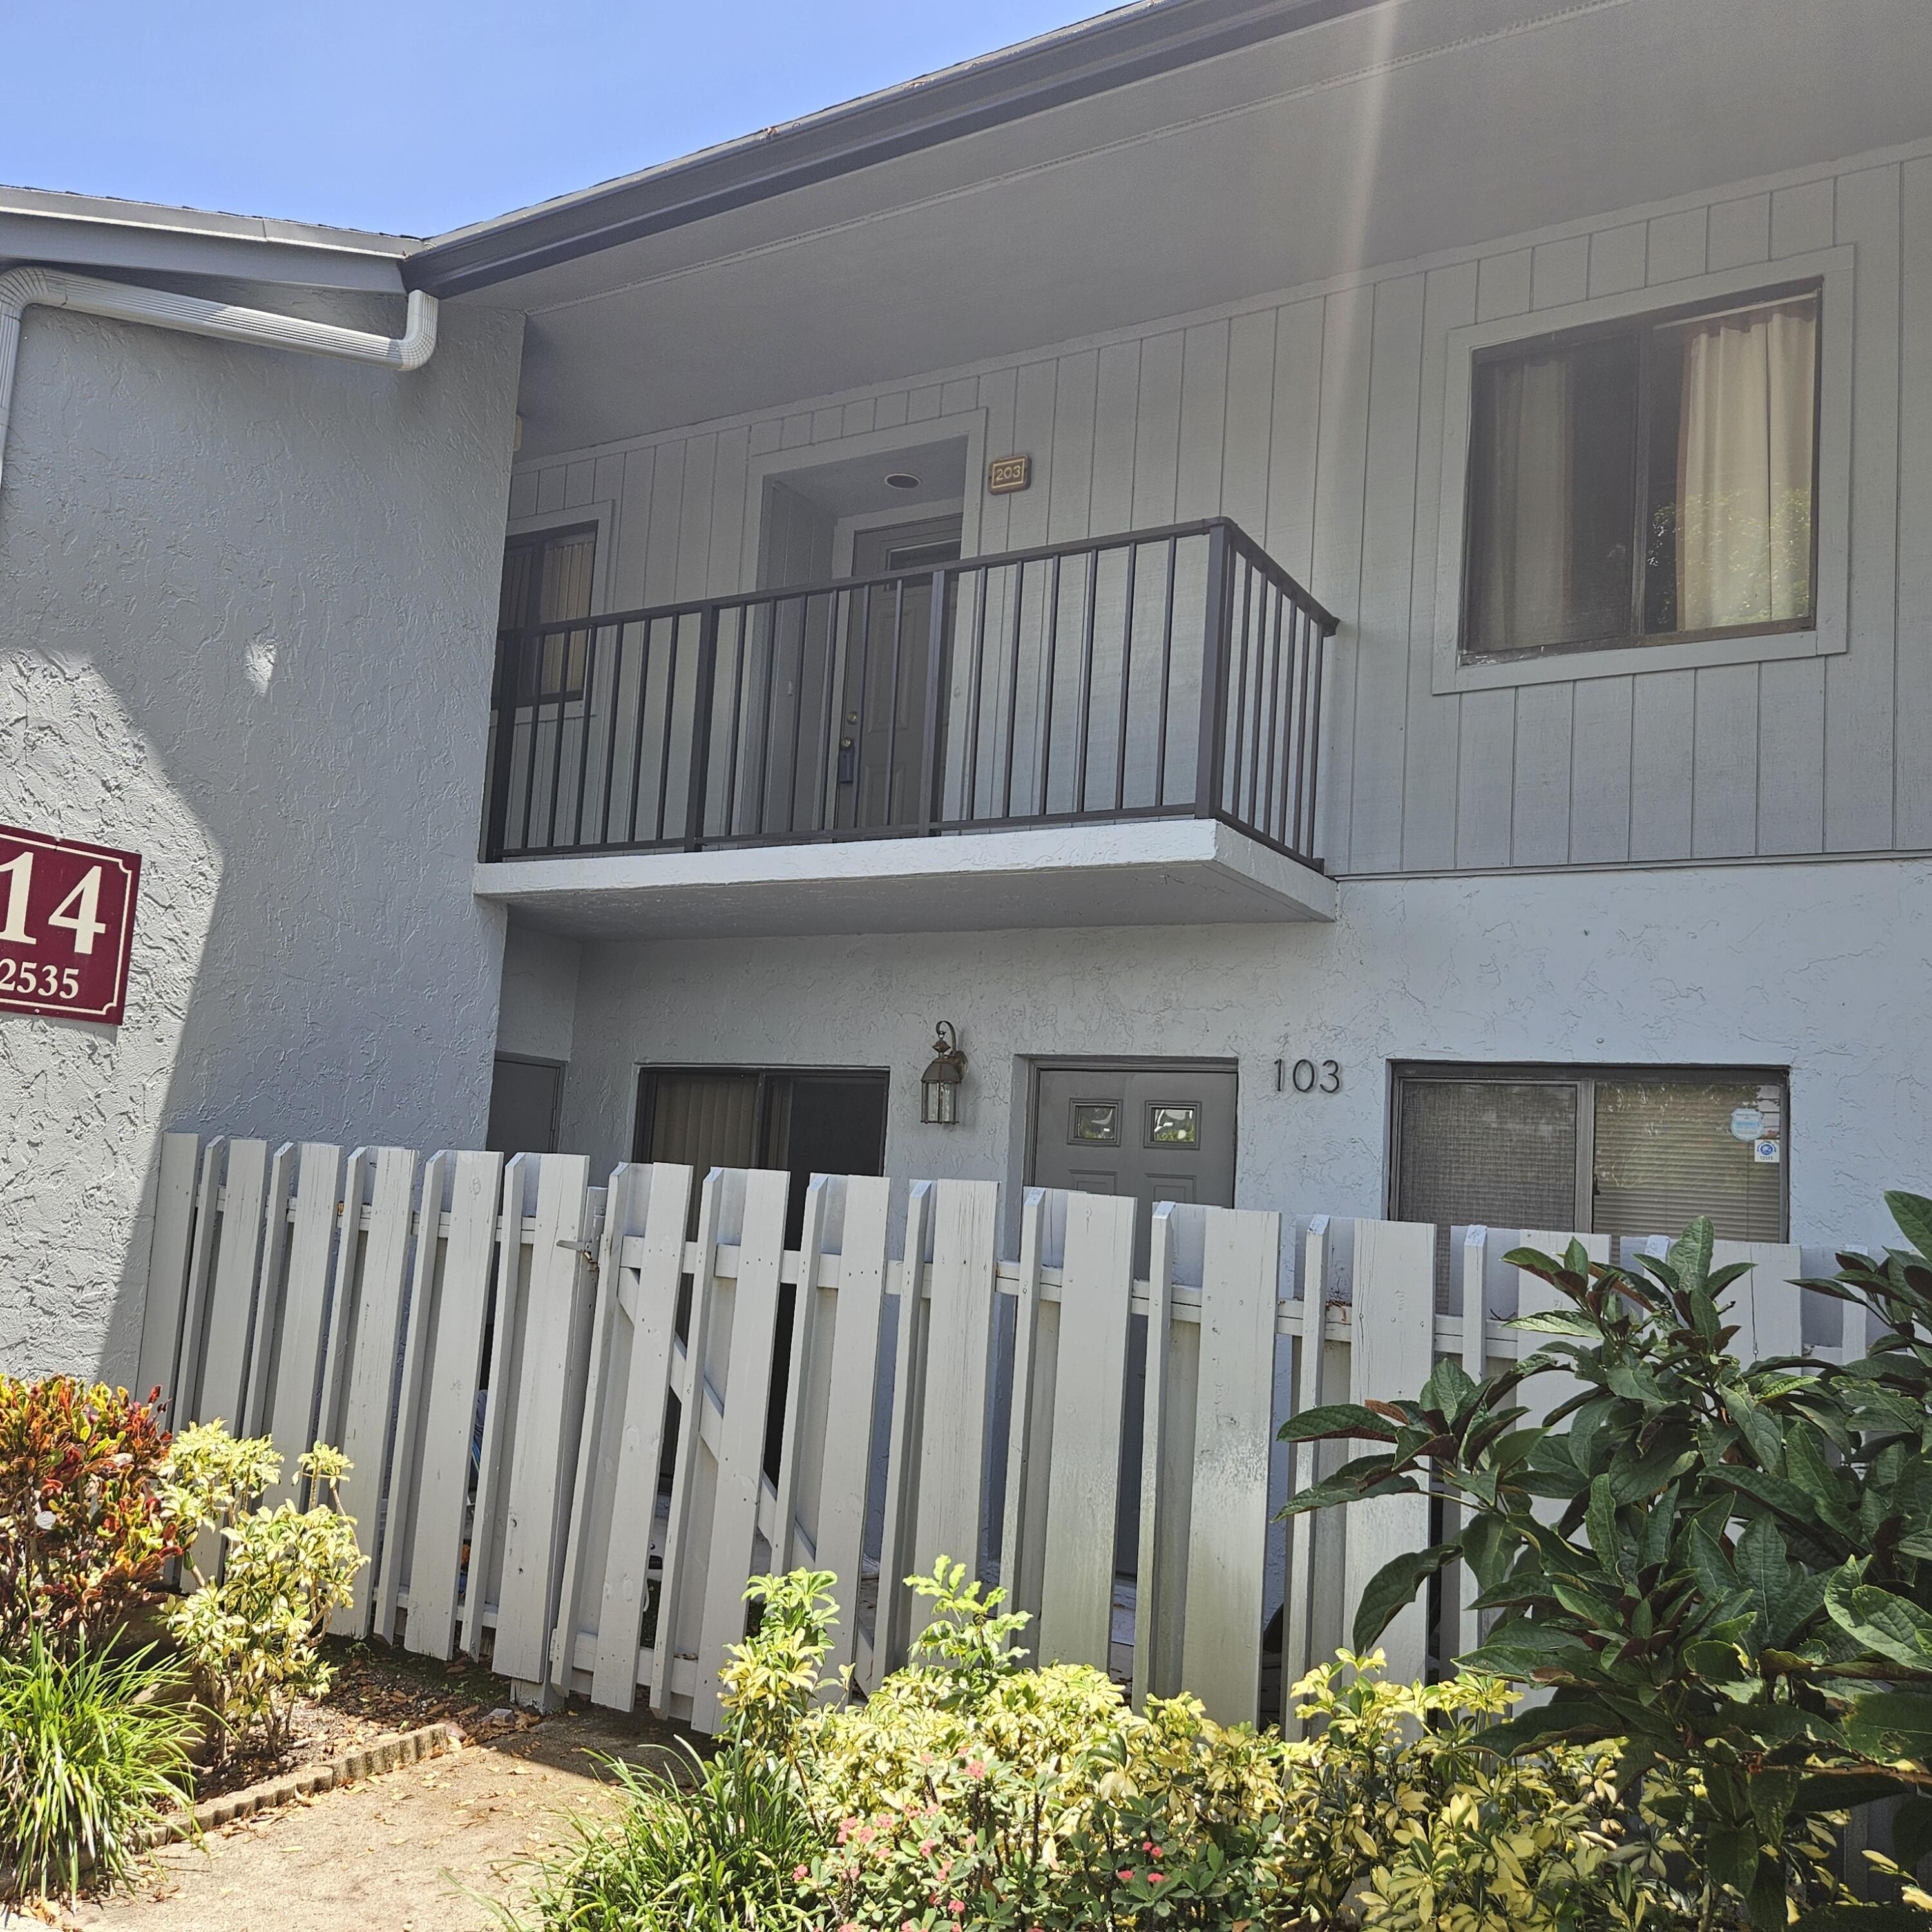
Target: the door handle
(848, 762)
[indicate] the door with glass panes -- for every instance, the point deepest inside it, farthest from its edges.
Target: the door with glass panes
(1159, 1130)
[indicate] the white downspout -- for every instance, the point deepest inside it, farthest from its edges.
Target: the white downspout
(160, 308)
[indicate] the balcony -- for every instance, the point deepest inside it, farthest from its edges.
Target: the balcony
(1123, 731)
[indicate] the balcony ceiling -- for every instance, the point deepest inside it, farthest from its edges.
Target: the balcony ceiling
(1382, 135)
(1165, 871)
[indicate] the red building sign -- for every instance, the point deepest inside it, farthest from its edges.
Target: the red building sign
(67, 922)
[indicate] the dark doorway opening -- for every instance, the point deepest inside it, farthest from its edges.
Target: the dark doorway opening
(526, 1098)
(801, 1121)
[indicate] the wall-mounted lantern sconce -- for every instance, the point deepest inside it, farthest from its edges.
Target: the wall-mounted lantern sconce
(939, 1084)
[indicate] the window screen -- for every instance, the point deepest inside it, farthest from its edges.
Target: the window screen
(1502, 1153)
(1652, 1151)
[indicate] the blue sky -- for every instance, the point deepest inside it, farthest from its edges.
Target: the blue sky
(417, 115)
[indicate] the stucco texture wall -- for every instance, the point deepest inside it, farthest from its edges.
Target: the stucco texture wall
(247, 607)
(1822, 967)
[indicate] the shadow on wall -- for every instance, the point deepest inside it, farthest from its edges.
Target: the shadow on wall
(246, 622)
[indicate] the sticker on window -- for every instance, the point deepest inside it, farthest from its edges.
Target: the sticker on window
(1173, 1127)
(1095, 1123)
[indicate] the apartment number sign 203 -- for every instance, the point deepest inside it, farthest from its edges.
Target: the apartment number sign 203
(67, 923)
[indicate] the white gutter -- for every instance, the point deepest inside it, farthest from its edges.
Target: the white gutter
(160, 308)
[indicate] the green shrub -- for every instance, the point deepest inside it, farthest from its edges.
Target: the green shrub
(1724, 1568)
(969, 1790)
(85, 1529)
(92, 1745)
(254, 1636)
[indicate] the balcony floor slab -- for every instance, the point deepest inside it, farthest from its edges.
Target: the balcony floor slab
(1167, 871)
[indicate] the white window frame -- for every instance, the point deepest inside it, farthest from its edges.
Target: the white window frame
(1834, 269)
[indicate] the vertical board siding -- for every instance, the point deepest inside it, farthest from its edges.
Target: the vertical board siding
(1316, 422)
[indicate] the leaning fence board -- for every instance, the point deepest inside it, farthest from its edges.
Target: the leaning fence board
(500, 1399)
(264, 1339)
(1227, 1541)
(890, 1634)
(645, 1293)
(542, 1462)
(746, 1389)
(1471, 1263)
(360, 1419)
(399, 1514)
(231, 1301)
(1391, 1344)
(1157, 1493)
(688, 1385)
(158, 1363)
(455, 1332)
(1089, 1397)
(597, 1453)
(1029, 1419)
(1298, 1612)
(958, 1363)
(854, 1228)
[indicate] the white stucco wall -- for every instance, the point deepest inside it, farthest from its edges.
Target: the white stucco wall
(539, 1001)
(1820, 966)
(247, 601)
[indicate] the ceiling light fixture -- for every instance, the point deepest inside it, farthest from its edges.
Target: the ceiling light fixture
(901, 479)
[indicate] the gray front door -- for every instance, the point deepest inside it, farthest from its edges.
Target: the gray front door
(882, 765)
(1158, 1131)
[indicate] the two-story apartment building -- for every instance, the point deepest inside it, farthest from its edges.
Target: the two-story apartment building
(1339, 589)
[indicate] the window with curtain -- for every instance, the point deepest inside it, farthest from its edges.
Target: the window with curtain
(1646, 480)
(547, 579)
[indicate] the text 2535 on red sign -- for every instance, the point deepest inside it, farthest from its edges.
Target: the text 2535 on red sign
(67, 923)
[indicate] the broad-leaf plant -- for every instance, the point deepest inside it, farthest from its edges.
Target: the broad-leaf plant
(1727, 1567)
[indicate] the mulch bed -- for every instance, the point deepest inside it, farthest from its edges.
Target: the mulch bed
(378, 1691)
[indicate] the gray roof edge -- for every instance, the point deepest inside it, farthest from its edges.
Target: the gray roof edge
(96, 231)
(1114, 49)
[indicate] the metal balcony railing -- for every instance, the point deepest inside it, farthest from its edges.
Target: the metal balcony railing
(1157, 673)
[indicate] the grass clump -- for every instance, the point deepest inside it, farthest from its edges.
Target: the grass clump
(92, 1745)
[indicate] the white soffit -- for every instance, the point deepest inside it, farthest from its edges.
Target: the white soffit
(1167, 871)
(1378, 137)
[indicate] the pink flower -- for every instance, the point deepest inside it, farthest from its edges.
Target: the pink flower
(1125, 1877)
(800, 1874)
(1155, 1849)
(1154, 1878)
(925, 1848)
(976, 1769)
(958, 1906)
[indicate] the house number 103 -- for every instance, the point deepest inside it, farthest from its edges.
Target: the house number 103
(1308, 1076)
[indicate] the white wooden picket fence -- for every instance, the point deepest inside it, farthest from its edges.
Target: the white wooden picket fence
(498, 1347)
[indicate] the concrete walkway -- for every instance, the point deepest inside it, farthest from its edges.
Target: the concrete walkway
(400, 1853)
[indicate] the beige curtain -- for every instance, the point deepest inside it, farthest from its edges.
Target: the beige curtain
(1523, 587)
(1743, 468)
